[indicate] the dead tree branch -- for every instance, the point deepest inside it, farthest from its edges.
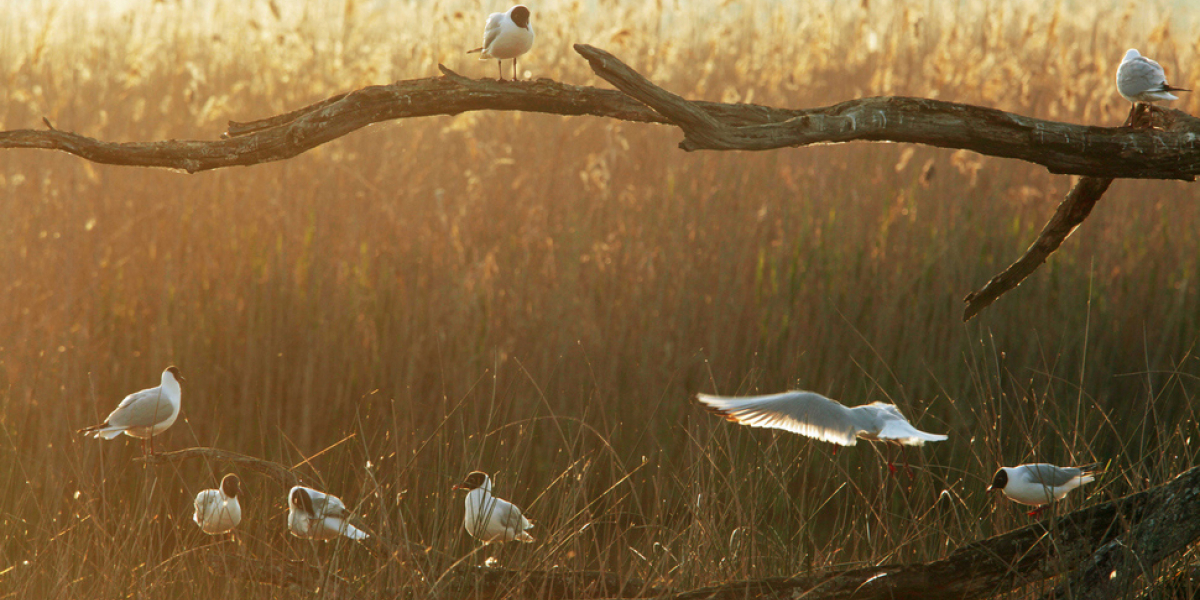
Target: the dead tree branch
(1167, 150)
(1070, 214)
(1129, 534)
(1113, 152)
(285, 476)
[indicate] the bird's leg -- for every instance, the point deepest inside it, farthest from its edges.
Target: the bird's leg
(500, 69)
(515, 69)
(891, 466)
(907, 467)
(1037, 511)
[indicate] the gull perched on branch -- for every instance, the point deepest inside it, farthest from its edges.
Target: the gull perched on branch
(218, 511)
(506, 35)
(144, 414)
(1140, 79)
(1039, 484)
(488, 518)
(318, 516)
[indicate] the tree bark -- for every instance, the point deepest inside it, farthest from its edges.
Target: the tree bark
(1127, 536)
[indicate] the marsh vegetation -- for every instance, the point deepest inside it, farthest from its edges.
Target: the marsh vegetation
(541, 297)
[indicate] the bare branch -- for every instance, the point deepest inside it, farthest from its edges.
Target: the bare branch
(285, 476)
(1118, 152)
(1166, 149)
(1168, 152)
(1071, 212)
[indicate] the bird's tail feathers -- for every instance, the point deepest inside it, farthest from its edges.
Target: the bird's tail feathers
(101, 431)
(524, 537)
(355, 533)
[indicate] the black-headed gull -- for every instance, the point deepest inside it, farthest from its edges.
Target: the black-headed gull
(218, 511)
(1039, 484)
(813, 415)
(1140, 79)
(488, 518)
(144, 414)
(506, 35)
(318, 516)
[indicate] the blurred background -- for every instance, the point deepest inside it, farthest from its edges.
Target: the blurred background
(540, 297)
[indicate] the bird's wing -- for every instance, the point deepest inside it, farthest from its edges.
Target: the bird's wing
(806, 413)
(142, 409)
(1141, 75)
(900, 430)
(510, 516)
(206, 499)
(328, 505)
(1051, 475)
(492, 29)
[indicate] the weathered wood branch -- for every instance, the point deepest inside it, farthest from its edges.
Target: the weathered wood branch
(1113, 152)
(1166, 150)
(1070, 214)
(1146, 527)
(1169, 523)
(285, 476)
(284, 136)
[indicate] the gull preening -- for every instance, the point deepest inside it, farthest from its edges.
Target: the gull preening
(1140, 79)
(813, 415)
(318, 516)
(1039, 484)
(491, 519)
(144, 414)
(218, 511)
(506, 35)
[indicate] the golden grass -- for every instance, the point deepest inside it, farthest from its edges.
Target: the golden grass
(539, 297)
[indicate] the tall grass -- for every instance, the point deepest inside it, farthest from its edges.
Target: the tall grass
(539, 297)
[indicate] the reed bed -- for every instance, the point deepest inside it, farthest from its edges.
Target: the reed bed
(541, 297)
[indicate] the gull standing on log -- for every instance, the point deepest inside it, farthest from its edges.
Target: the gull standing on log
(144, 414)
(1140, 79)
(1039, 484)
(506, 35)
